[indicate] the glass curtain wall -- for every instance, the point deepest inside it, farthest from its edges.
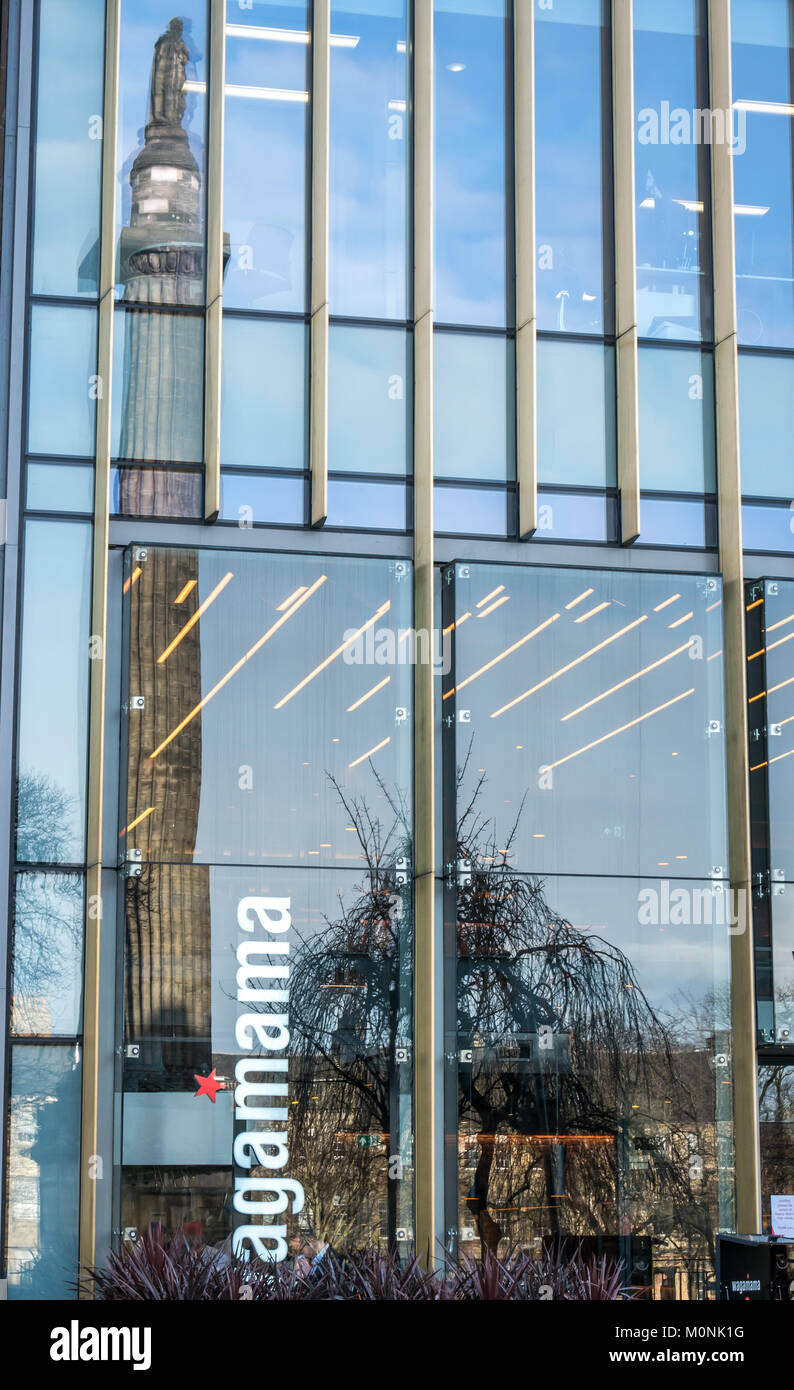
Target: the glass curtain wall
(47, 904)
(674, 286)
(266, 827)
(588, 919)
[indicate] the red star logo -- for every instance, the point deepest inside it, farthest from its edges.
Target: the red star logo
(208, 1086)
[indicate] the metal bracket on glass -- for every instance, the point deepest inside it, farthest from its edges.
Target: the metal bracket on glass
(402, 870)
(760, 886)
(137, 702)
(401, 715)
(463, 572)
(139, 554)
(399, 570)
(465, 1056)
(132, 1051)
(713, 727)
(402, 1054)
(133, 866)
(774, 731)
(463, 871)
(721, 1059)
(404, 1233)
(464, 716)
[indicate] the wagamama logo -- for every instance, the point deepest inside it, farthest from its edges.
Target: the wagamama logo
(264, 1142)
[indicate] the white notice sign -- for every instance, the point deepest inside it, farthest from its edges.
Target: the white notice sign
(783, 1216)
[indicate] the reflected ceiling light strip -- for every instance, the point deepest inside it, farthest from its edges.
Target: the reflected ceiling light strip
(679, 621)
(715, 655)
(621, 684)
(765, 108)
(239, 664)
(133, 579)
(499, 590)
(666, 603)
(712, 606)
(257, 31)
(549, 767)
(508, 652)
(751, 606)
(783, 621)
(747, 210)
(296, 594)
(770, 647)
(778, 758)
(580, 599)
(357, 703)
(498, 604)
(384, 608)
(137, 821)
(376, 749)
(191, 622)
(771, 690)
(599, 608)
(259, 93)
(689, 204)
(571, 664)
(188, 589)
(458, 623)
(398, 104)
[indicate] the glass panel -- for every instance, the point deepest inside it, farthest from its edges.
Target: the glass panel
(674, 522)
(763, 95)
(576, 413)
(265, 154)
(771, 670)
(473, 156)
(43, 1172)
(766, 418)
(53, 693)
(62, 386)
(673, 245)
(138, 490)
(592, 1091)
(369, 391)
(776, 1115)
(69, 108)
(271, 688)
(47, 976)
(323, 1084)
(366, 506)
(60, 487)
(782, 920)
(369, 158)
(263, 408)
(769, 529)
(576, 516)
(676, 420)
(573, 169)
(256, 499)
(474, 418)
(590, 725)
(472, 511)
(161, 195)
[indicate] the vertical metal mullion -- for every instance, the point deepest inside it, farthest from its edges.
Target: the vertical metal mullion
(627, 361)
(96, 732)
(729, 506)
(213, 322)
(427, 1233)
(318, 382)
(526, 290)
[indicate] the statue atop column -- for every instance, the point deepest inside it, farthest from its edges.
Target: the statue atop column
(171, 57)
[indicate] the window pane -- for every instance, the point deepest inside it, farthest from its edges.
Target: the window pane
(162, 105)
(673, 247)
(62, 387)
(365, 506)
(472, 60)
(53, 693)
(469, 511)
(768, 528)
(676, 420)
(60, 487)
(48, 955)
(369, 145)
(576, 413)
(474, 420)
(262, 498)
(576, 516)
(572, 93)
(69, 111)
(263, 409)
(587, 695)
(265, 154)
(43, 1172)
(766, 418)
(158, 397)
(762, 58)
(369, 389)
(676, 522)
(776, 1114)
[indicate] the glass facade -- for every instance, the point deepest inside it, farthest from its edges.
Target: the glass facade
(219, 734)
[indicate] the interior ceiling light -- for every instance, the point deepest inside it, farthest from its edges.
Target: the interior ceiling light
(765, 108)
(575, 601)
(137, 821)
(486, 611)
(458, 623)
(599, 608)
(679, 621)
(782, 623)
(257, 31)
(239, 664)
(370, 753)
(133, 579)
(748, 210)
(549, 767)
(507, 652)
(488, 597)
(628, 681)
(673, 599)
(199, 613)
(357, 703)
(570, 666)
(188, 589)
(384, 608)
(456, 67)
(256, 93)
(770, 647)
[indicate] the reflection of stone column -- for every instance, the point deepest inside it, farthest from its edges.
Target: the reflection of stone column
(168, 908)
(161, 264)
